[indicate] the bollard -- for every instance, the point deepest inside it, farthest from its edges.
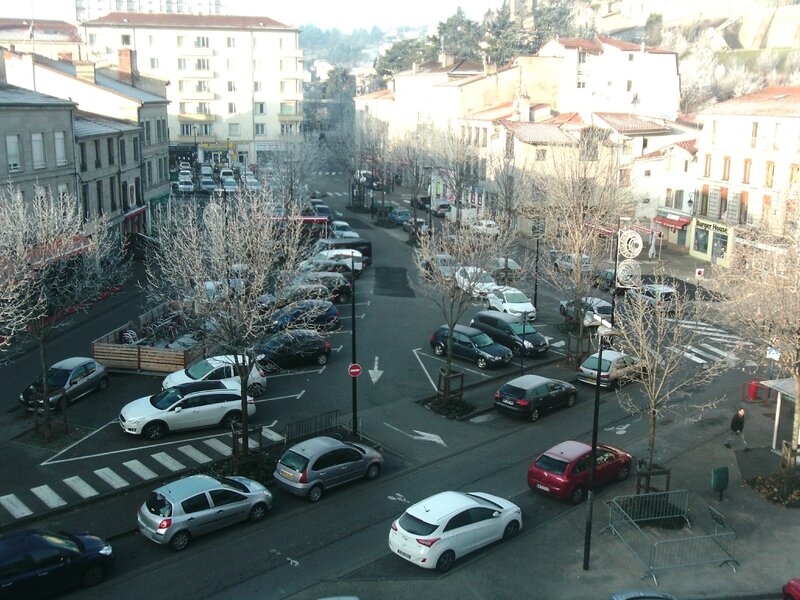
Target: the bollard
(719, 480)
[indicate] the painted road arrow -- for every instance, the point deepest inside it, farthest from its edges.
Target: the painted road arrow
(421, 435)
(374, 372)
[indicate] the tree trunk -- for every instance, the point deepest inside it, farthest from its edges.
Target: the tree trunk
(45, 417)
(796, 420)
(245, 447)
(651, 438)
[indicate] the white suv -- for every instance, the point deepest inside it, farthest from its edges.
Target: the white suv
(661, 297)
(566, 263)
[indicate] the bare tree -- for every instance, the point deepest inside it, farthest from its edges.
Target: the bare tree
(412, 154)
(292, 165)
(216, 263)
(68, 263)
(457, 164)
(672, 367)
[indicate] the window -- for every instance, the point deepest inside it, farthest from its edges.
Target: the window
(629, 85)
(82, 153)
(234, 129)
(202, 64)
(260, 108)
(61, 149)
(230, 64)
(581, 85)
(182, 108)
(147, 139)
(794, 175)
(256, 86)
(288, 108)
(204, 108)
(202, 86)
(581, 57)
(150, 40)
(201, 42)
(195, 504)
(186, 129)
(231, 86)
(223, 497)
(753, 135)
(723, 203)
(153, 63)
(92, 39)
(776, 133)
(704, 201)
(123, 158)
(770, 174)
(258, 65)
(148, 173)
(630, 56)
(726, 168)
(288, 129)
(206, 129)
(99, 197)
(746, 170)
(112, 188)
(678, 200)
(541, 154)
(136, 149)
(743, 201)
(231, 42)
(37, 144)
(460, 520)
(261, 129)
(125, 40)
(97, 161)
(179, 41)
(647, 173)
(63, 190)
(231, 107)
(713, 132)
(12, 152)
(181, 64)
(85, 202)
(707, 167)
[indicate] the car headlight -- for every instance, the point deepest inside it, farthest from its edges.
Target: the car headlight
(22, 397)
(135, 421)
(106, 550)
(527, 344)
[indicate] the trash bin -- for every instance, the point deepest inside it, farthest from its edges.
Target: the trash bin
(719, 480)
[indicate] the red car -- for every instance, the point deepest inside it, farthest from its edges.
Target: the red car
(791, 589)
(563, 471)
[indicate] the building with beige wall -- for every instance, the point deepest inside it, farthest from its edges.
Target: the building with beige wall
(236, 83)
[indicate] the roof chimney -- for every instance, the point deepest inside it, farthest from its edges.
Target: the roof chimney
(524, 109)
(127, 65)
(414, 68)
(446, 59)
(643, 47)
(85, 70)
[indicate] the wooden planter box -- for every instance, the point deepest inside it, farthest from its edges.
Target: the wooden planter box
(142, 356)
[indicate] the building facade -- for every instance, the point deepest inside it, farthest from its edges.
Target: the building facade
(236, 83)
(86, 10)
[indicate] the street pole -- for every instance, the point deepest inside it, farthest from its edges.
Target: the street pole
(616, 265)
(354, 361)
(587, 541)
(522, 349)
(536, 275)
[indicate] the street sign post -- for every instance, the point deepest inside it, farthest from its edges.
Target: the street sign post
(354, 370)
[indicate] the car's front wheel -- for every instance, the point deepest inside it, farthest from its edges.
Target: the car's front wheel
(322, 359)
(102, 384)
(623, 472)
(446, 561)
(577, 495)
(511, 530)
(258, 512)
(94, 574)
(155, 430)
(571, 400)
(373, 471)
(481, 362)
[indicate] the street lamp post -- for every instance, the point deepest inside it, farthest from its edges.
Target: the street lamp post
(616, 265)
(196, 149)
(587, 540)
(537, 230)
(522, 348)
(353, 357)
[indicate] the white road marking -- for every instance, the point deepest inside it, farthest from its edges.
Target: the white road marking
(111, 478)
(80, 487)
(46, 494)
(15, 506)
(194, 454)
(702, 353)
(252, 443)
(140, 469)
(271, 435)
(169, 462)
(219, 446)
(53, 458)
(421, 435)
(727, 355)
(424, 370)
(688, 355)
(461, 368)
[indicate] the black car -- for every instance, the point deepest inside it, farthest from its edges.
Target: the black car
(604, 280)
(39, 564)
(292, 348)
(511, 331)
(528, 396)
(337, 284)
(471, 344)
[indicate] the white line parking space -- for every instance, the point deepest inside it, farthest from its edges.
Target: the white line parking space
(15, 506)
(194, 454)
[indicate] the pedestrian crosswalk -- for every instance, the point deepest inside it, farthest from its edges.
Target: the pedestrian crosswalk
(717, 345)
(92, 481)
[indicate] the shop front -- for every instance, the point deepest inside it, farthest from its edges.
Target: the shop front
(711, 241)
(673, 228)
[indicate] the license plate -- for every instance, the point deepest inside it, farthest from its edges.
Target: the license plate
(507, 401)
(544, 488)
(403, 554)
(287, 474)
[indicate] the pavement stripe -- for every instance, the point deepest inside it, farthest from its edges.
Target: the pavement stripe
(727, 355)
(80, 487)
(46, 494)
(111, 478)
(688, 355)
(15, 506)
(194, 454)
(141, 470)
(702, 353)
(169, 462)
(252, 444)
(271, 435)
(219, 446)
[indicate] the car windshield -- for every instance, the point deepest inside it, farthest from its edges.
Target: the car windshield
(167, 398)
(591, 363)
(276, 342)
(478, 276)
(512, 264)
(512, 391)
(158, 505)
(602, 309)
(522, 328)
(554, 465)
(416, 526)
(482, 340)
(485, 501)
(199, 370)
(237, 485)
(55, 377)
(516, 298)
(293, 460)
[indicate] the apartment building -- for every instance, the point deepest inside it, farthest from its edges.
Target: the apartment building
(37, 145)
(749, 163)
(236, 83)
(111, 92)
(86, 10)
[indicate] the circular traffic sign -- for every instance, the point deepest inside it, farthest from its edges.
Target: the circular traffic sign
(354, 370)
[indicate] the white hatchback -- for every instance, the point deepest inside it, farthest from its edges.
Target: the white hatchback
(435, 532)
(512, 301)
(219, 368)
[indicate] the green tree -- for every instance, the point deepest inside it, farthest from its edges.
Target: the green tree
(459, 36)
(505, 37)
(402, 55)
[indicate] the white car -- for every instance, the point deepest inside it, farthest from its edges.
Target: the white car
(219, 368)
(616, 370)
(185, 406)
(591, 305)
(342, 229)
(343, 255)
(476, 281)
(252, 184)
(486, 226)
(229, 185)
(512, 301)
(437, 531)
(566, 263)
(185, 186)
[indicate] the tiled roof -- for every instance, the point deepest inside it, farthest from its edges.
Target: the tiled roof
(539, 133)
(184, 21)
(771, 101)
(89, 125)
(629, 123)
(460, 67)
(11, 95)
(40, 25)
(651, 155)
(493, 113)
(572, 118)
(588, 46)
(595, 45)
(689, 145)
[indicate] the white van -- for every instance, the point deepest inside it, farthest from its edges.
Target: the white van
(226, 173)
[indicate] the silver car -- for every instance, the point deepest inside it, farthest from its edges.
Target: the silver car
(67, 381)
(181, 510)
(310, 467)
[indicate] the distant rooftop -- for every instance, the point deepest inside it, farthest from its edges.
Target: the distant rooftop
(184, 21)
(11, 95)
(772, 101)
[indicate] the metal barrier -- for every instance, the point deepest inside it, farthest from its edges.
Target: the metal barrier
(716, 545)
(312, 426)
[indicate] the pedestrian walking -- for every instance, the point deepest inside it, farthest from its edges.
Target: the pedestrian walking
(737, 429)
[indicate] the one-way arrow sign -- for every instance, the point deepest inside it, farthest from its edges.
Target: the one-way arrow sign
(374, 372)
(421, 435)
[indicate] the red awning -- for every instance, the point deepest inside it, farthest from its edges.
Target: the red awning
(674, 223)
(135, 212)
(602, 230)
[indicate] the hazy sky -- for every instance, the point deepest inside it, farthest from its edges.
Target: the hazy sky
(325, 14)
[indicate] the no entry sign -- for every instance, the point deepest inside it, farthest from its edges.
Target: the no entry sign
(354, 370)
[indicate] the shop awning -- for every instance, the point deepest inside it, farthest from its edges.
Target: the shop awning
(601, 230)
(673, 221)
(135, 212)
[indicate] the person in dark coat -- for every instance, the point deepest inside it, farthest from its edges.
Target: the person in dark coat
(737, 429)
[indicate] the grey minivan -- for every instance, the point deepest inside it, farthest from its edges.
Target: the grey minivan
(311, 467)
(178, 511)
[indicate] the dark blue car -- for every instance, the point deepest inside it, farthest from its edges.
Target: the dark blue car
(39, 564)
(307, 314)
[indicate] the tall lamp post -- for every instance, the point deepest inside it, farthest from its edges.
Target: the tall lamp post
(620, 220)
(604, 328)
(537, 231)
(353, 357)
